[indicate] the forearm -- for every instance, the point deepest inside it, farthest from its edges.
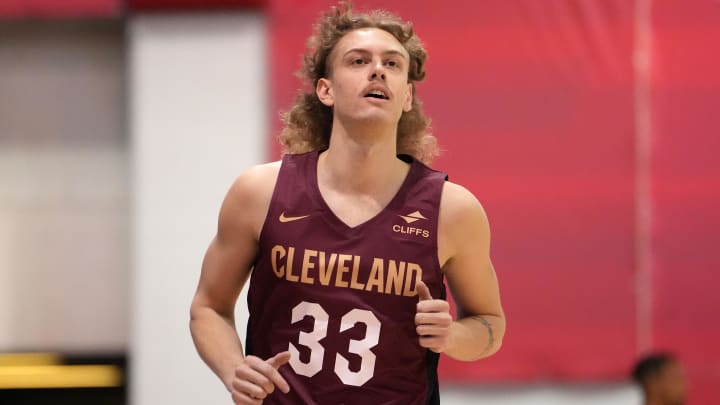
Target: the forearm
(476, 337)
(217, 342)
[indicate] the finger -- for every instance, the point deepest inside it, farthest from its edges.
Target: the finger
(431, 330)
(255, 375)
(432, 343)
(437, 306)
(269, 370)
(423, 291)
(279, 359)
(241, 398)
(271, 378)
(246, 387)
(433, 318)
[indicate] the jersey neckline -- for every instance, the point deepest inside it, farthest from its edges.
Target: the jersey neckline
(395, 201)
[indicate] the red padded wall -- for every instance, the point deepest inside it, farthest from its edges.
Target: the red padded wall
(540, 127)
(686, 188)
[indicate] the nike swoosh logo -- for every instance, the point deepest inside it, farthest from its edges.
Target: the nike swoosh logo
(283, 218)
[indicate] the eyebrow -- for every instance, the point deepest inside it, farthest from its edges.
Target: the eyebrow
(365, 51)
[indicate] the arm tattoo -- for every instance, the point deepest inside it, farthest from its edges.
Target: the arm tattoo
(491, 334)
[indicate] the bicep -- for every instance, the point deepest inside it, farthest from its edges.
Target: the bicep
(225, 271)
(229, 258)
(468, 268)
(475, 289)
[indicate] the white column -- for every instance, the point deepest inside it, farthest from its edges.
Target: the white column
(63, 189)
(197, 109)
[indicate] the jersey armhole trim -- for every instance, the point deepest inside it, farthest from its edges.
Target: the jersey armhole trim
(271, 204)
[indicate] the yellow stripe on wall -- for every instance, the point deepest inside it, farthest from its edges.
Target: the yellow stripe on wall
(28, 359)
(59, 376)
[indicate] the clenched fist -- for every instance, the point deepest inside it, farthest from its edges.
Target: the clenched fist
(432, 320)
(256, 378)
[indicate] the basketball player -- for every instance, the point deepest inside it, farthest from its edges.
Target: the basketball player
(661, 378)
(348, 240)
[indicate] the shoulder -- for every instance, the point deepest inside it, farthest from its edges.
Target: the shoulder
(458, 203)
(246, 203)
(256, 181)
(463, 223)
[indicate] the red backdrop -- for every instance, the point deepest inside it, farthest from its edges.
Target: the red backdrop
(539, 107)
(685, 187)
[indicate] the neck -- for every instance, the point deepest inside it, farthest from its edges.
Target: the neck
(361, 161)
(367, 134)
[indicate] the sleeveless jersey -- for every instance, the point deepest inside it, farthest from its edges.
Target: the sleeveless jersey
(343, 299)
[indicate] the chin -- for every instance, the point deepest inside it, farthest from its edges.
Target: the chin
(375, 118)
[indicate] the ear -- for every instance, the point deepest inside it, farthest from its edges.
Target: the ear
(407, 106)
(324, 92)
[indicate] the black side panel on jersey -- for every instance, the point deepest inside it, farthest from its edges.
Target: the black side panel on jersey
(433, 359)
(248, 341)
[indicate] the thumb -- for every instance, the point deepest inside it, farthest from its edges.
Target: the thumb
(279, 359)
(423, 291)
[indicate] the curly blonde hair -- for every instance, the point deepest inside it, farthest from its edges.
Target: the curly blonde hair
(308, 124)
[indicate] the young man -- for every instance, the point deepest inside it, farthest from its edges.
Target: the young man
(347, 241)
(661, 378)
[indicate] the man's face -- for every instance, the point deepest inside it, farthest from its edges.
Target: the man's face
(368, 78)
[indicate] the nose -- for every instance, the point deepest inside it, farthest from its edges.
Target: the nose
(378, 71)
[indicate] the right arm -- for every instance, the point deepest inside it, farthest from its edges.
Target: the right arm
(225, 270)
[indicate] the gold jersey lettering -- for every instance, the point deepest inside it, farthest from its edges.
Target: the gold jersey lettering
(326, 268)
(386, 276)
(354, 277)
(412, 276)
(277, 253)
(342, 270)
(289, 265)
(395, 275)
(377, 274)
(307, 266)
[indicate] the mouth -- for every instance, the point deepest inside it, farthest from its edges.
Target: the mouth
(379, 94)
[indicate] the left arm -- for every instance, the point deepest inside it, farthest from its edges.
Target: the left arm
(464, 252)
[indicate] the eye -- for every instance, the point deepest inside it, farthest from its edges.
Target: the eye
(358, 61)
(392, 63)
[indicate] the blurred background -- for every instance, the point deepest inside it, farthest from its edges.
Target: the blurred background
(587, 128)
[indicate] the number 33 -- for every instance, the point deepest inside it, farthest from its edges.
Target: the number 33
(312, 340)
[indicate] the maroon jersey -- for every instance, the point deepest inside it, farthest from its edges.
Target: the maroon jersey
(342, 299)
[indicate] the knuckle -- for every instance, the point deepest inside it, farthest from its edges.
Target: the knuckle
(264, 368)
(268, 386)
(259, 394)
(237, 398)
